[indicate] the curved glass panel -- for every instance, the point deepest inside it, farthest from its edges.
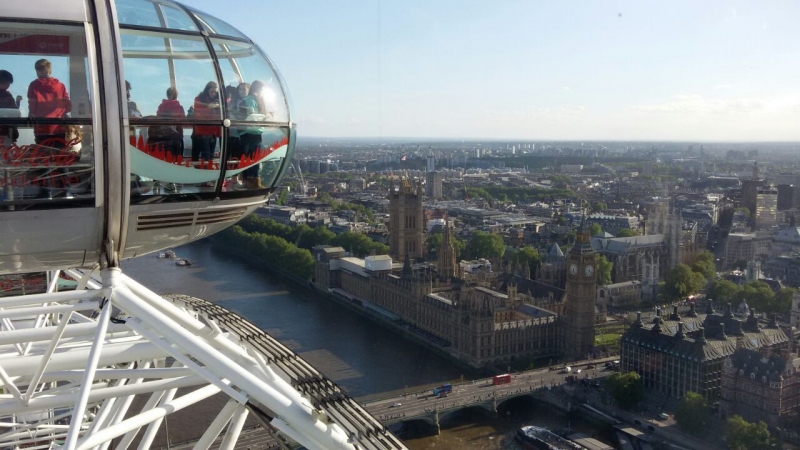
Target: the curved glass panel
(169, 159)
(243, 68)
(255, 157)
(175, 112)
(46, 149)
(155, 63)
(216, 26)
(147, 13)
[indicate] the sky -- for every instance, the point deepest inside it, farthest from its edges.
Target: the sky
(530, 69)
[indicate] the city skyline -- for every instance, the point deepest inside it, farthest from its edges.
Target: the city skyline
(519, 70)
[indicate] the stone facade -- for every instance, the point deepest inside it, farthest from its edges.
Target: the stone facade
(681, 353)
(637, 258)
(581, 290)
(553, 270)
(620, 294)
(760, 387)
(406, 221)
(483, 322)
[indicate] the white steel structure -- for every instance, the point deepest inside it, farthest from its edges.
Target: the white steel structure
(70, 379)
(107, 157)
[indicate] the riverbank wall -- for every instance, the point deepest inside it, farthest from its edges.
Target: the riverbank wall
(400, 328)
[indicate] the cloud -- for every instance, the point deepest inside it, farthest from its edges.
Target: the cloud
(681, 104)
(566, 88)
(720, 87)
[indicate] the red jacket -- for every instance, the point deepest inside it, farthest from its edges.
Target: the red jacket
(47, 97)
(171, 109)
(202, 111)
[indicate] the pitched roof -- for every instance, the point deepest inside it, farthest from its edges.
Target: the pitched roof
(555, 253)
(704, 336)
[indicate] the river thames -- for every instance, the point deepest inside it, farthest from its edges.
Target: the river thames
(359, 355)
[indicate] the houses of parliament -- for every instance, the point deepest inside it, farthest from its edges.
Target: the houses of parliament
(482, 317)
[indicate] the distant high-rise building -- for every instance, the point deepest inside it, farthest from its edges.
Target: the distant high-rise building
(647, 167)
(766, 207)
(430, 162)
(406, 220)
(750, 190)
(433, 185)
(788, 197)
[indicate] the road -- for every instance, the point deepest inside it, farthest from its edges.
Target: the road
(418, 404)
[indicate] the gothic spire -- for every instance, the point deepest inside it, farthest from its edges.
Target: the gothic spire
(407, 268)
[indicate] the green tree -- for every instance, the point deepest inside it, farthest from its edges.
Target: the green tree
(595, 229)
(359, 244)
(316, 236)
(459, 246)
(783, 300)
(682, 282)
(692, 413)
(434, 241)
(527, 255)
(626, 389)
(271, 251)
(758, 295)
(724, 291)
(703, 263)
(743, 435)
(599, 206)
(627, 232)
(604, 267)
(486, 245)
(281, 200)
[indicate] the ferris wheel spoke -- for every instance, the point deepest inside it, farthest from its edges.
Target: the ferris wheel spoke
(217, 425)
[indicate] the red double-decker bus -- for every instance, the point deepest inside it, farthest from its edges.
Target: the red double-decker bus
(501, 379)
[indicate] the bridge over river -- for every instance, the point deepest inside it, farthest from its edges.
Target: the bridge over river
(482, 393)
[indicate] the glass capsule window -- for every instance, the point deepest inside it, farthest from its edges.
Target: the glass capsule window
(180, 86)
(46, 143)
(146, 13)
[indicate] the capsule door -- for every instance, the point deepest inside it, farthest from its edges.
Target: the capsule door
(50, 198)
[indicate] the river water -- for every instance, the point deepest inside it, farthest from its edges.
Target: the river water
(359, 355)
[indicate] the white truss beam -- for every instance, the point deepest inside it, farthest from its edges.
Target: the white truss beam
(70, 371)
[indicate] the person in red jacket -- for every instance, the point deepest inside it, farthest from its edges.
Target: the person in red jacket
(170, 135)
(48, 98)
(204, 138)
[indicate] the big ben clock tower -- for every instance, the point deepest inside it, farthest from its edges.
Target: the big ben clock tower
(581, 290)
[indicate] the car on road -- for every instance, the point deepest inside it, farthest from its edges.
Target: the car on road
(590, 366)
(663, 416)
(395, 405)
(579, 371)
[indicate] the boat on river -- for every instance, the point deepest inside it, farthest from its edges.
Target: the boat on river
(539, 438)
(183, 262)
(167, 254)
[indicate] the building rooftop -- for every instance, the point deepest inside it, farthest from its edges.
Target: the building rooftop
(703, 337)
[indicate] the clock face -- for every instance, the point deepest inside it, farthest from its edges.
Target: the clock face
(573, 269)
(589, 270)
